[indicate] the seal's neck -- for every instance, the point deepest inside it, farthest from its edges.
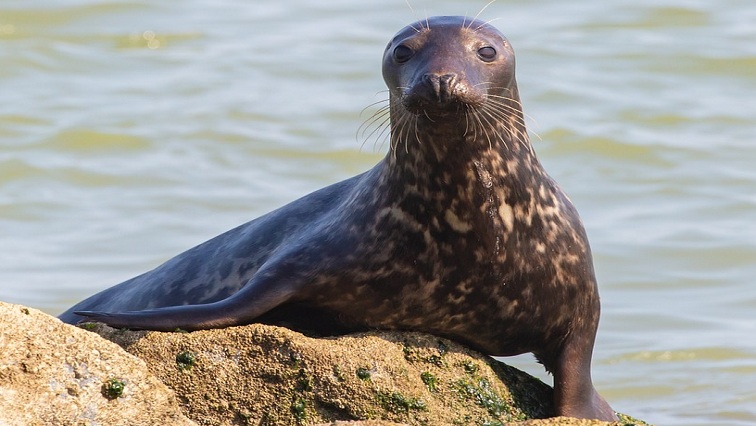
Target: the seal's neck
(452, 168)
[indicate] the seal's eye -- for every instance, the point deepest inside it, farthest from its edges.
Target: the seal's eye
(402, 53)
(487, 53)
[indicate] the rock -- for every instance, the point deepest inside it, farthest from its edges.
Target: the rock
(54, 373)
(261, 374)
(271, 375)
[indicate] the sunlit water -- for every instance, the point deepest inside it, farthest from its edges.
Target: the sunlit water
(130, 131)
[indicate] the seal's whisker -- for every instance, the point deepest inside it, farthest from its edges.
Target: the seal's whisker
(482, 83)
(506, 115)
(475, 126)
(396, 130)
(369, 127)
(468, 108)
(373, 104)
(506, 118)
(411, 126)
(400, 129)
(370, 122)
(506, 99)
(490, 124)
(519, 111)
(516, 131)
(510, 110)
(380, 112)
(384, 131)
(514, 110)
(519, 108)
(469, 124)
(511, 99)
(477, 123)
(385, 137)
(417, 137)
(505, 112)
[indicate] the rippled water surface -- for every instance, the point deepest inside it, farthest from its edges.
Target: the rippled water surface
(130, 131)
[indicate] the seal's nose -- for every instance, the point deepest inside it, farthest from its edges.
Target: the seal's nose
(441, 85)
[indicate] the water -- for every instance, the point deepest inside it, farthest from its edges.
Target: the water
(130, 131)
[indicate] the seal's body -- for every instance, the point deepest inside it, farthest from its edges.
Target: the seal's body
(458, 231)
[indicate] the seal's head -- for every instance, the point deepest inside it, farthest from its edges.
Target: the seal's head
(447, 64)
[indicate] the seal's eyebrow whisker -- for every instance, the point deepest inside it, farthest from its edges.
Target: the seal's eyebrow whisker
(486, 23)
(412, 9)
(481, 11)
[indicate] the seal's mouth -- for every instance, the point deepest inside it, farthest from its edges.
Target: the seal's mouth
(431, 109)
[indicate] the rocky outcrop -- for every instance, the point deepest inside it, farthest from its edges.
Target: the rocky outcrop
(275, 376)
(256, 375)
(55, 374)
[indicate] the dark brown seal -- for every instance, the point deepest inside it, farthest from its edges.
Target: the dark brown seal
(458, 231)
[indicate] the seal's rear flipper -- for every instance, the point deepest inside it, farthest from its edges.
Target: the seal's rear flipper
(252, 301)
(162, 319)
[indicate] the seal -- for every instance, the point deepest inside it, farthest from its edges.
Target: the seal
(457, 232)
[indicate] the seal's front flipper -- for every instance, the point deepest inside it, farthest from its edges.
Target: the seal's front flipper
(243, 307)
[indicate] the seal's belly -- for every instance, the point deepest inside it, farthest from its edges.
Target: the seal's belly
(473, 312)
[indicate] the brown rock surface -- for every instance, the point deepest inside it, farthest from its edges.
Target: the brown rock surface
(55, 374)
(261, 374)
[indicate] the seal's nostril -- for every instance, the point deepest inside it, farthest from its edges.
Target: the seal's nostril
(446, 86)
(448, 78)
(441, 85)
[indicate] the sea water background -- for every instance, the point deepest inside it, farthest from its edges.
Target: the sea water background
(132, 130)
